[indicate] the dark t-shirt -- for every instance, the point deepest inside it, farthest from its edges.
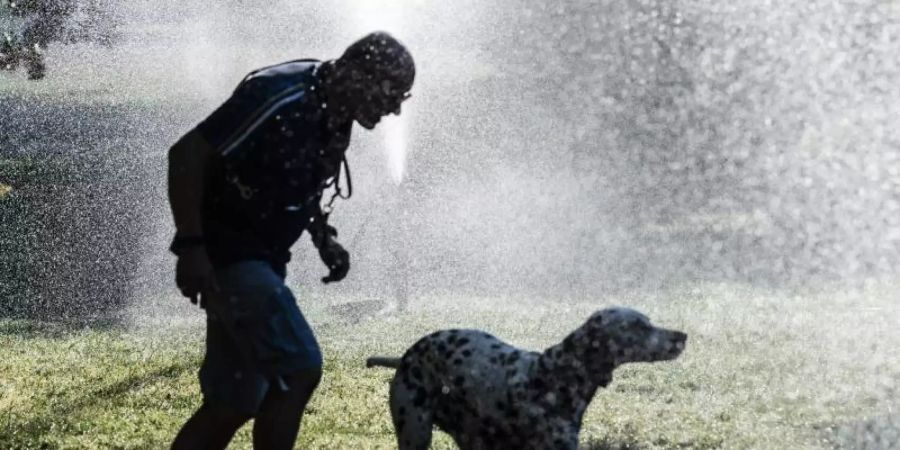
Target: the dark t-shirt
(275, 156)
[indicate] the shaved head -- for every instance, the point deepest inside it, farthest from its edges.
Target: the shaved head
(370, 80)
(383, 56)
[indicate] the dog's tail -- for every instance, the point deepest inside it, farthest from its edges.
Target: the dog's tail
(383, 361)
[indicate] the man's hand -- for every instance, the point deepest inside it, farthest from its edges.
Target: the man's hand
(194, 275)
(333, 254)
(336, 258)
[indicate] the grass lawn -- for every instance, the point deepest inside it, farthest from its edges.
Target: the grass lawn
(761, 370)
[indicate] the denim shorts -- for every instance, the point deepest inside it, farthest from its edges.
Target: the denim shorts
(255, 334)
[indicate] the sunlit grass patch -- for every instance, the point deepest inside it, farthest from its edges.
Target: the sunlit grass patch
(761, 370)
(89, 389)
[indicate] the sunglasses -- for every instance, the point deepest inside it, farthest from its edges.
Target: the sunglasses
(388, 90)
(391, 98)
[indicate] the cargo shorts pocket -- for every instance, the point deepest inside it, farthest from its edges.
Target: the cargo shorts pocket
(283, 336)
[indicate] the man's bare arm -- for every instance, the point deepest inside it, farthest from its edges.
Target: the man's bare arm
(188, 162)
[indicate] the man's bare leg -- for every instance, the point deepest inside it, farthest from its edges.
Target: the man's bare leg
(278, 422)
(208, 429)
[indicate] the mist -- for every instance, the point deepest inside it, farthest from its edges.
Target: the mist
(681, 157)
(554, 152)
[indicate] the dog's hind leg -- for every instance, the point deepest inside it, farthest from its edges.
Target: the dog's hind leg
(412, 415)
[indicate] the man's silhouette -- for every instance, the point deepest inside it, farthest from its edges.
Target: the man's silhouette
(243, 186)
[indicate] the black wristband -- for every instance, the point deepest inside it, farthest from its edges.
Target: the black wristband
(180, 243)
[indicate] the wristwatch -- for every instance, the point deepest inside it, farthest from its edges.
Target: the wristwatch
(181, 243)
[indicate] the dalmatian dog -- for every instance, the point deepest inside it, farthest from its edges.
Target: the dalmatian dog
(487, 394)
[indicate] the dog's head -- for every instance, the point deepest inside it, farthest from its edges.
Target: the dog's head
(622, 335)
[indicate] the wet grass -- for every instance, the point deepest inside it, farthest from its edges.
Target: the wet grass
(762, 370)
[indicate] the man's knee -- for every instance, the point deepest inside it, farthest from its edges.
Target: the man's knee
(288, 404)
(225, 416)
(300, 386)
(209, 427)
(304, 381)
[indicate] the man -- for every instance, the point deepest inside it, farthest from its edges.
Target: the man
(243, 185)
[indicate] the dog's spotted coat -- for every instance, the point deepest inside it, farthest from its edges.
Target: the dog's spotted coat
(487, 394)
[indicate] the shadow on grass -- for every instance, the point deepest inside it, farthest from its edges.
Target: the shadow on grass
(611, 444)
(31, 329)
(875, 433)
(633, 443)
(62, 418)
